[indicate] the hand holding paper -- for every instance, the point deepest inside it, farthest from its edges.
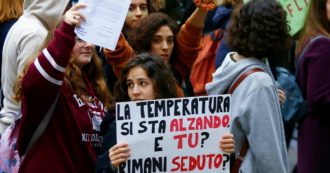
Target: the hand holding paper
(73, 16)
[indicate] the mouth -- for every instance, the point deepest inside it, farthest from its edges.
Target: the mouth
(164, 55)
(86, 53)
(138, 99)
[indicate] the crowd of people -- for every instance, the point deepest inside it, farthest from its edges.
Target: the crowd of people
(43, 62)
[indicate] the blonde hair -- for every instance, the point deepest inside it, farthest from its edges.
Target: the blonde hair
(10, 9)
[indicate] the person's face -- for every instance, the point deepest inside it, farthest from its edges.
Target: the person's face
(82, 52)
(139, 85)
(162, 43)
(137, 10)
(328, 9)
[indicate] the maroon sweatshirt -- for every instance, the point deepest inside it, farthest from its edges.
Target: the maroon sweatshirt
(71, 139)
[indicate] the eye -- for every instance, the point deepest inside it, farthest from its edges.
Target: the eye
(143, 83)
(130, 84)
(170, 40)
(79, 40)
(143, 8)
(131, 8)
(156, 40)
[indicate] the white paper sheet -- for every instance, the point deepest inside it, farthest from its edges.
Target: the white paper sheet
(104, 22)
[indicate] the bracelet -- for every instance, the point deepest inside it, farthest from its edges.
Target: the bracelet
(204, 6)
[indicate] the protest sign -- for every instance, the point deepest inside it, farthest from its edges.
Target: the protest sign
(296, 13)
(174, 135)
(104, 22)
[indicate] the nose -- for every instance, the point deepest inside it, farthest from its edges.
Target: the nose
(138, 12)
(88, 45)
(165, 45)
(136, 90)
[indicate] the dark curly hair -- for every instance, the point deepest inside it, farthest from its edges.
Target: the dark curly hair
(144, 30)
(163, 80)
(259, 29)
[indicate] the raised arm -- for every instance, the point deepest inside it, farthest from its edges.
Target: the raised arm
(189, 42)
(120, 56)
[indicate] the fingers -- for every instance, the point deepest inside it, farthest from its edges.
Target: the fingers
(206, 5)
(73, 16)
(227, 143)
(281, 95)
(119, 154)
(77, 6)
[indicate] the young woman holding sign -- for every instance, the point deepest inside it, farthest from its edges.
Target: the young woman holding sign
(142, 79)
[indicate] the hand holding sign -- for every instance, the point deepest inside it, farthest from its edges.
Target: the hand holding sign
(119, 154)
(227, 143)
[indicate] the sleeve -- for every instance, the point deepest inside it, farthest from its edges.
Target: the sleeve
(42, 82)
(119, 57)
(262, 123)
(189, 44)
(317, 75)
(103, 163)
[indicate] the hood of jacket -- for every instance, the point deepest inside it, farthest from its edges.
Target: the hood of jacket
(229, 71)
(46, 11)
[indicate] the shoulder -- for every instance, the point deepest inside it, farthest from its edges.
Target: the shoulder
(319, 46)
(258, 81)
(26, 26)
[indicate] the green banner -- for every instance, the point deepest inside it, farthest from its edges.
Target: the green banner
(296, 13)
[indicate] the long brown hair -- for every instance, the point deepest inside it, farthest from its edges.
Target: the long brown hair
(10, 9)
(316, 23)
(94, 72)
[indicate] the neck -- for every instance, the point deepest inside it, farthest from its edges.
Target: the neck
(238, 57)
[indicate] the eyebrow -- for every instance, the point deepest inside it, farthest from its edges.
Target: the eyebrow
(156, 35)
(138, 4)
(139, 79)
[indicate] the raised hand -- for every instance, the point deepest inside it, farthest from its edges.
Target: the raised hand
(73, 16)
(206, 5)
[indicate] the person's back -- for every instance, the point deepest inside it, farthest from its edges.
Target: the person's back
(22, 41)
(256, 114)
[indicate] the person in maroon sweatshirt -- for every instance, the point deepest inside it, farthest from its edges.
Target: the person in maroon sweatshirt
(69, 67)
